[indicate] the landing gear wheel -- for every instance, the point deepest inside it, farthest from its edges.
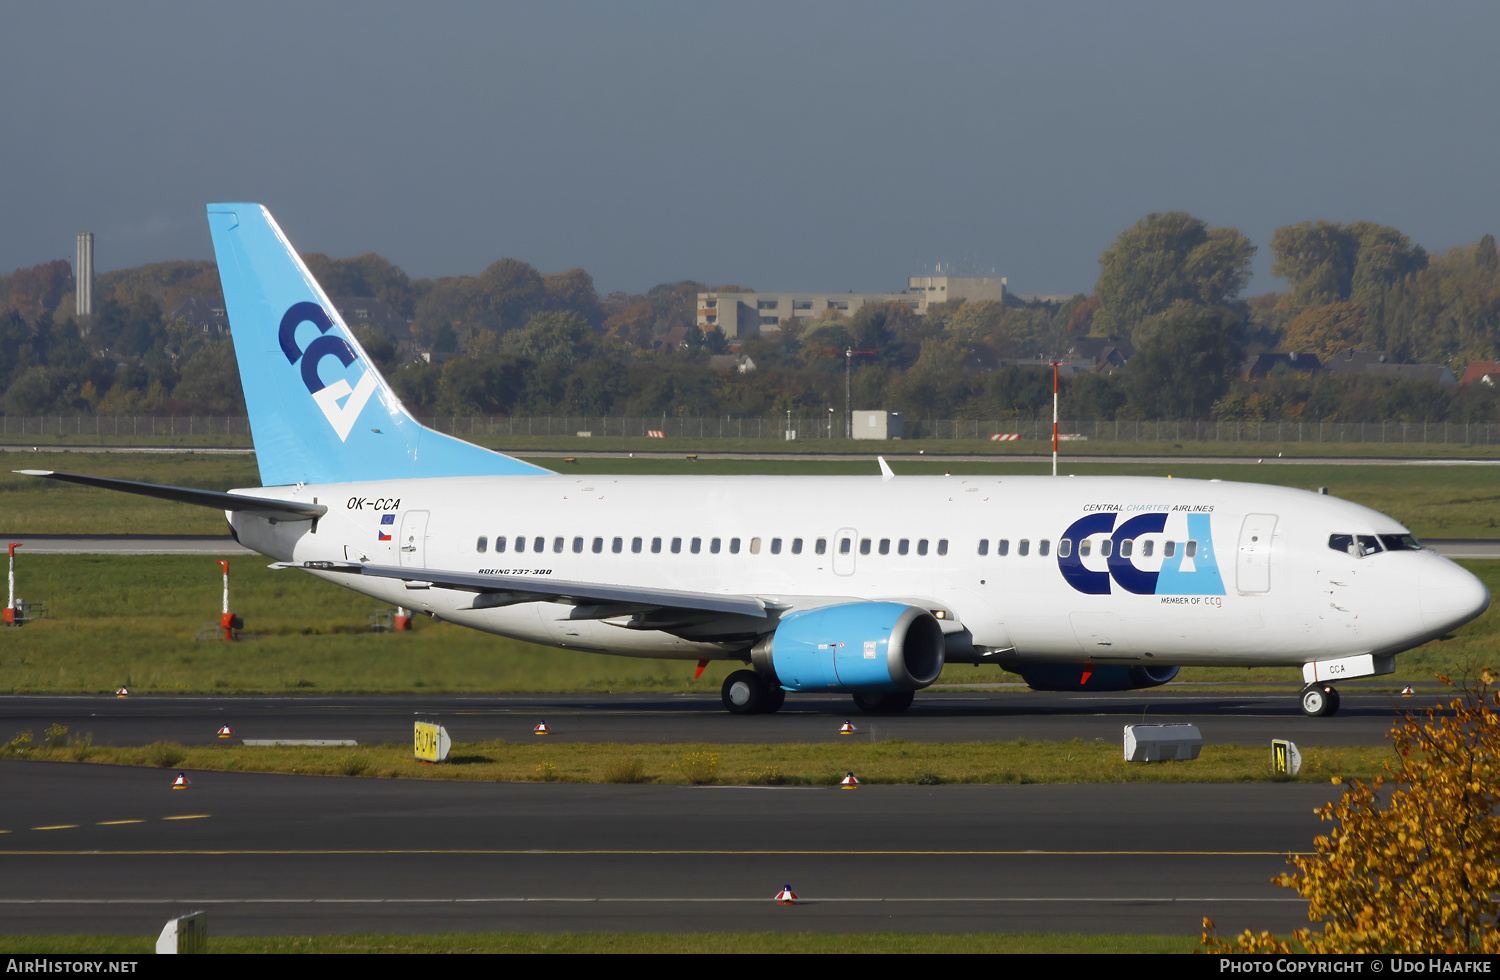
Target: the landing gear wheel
(743, 693)
(884, 704)
(775, 697)
(1319, 701)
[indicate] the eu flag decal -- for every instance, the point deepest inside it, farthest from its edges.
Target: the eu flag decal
(386, 520)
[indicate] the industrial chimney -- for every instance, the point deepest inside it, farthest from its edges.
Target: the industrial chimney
(83, 273)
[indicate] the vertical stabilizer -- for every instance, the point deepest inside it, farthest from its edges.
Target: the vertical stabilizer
(320, 412)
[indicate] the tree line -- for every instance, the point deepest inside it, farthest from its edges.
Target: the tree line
(513, 340)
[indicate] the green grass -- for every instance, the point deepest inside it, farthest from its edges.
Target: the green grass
(1434, 501)
(782, 764)
(134, 620)
(615, 942)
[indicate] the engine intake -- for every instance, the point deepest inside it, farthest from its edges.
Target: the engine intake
(858, 646)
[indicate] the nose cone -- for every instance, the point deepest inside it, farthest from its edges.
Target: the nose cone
(1450, 596)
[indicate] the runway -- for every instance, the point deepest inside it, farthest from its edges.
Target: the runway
(1223, 718)
(105, 850)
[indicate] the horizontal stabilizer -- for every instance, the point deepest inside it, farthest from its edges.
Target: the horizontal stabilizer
(286, 510)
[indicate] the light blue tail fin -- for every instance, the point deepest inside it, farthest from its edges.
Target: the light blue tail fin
(319, 410)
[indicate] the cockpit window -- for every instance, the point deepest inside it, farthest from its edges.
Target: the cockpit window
(1400, 542)
(1357, 545)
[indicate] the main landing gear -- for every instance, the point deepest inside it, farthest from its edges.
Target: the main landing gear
(747, 693)
(1320, 700)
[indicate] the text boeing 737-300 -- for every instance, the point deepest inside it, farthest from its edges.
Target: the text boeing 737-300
(866, 585)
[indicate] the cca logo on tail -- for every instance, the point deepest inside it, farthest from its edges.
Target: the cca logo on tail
(341, 417)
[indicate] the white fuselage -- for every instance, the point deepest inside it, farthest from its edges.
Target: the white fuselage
(1237, 574)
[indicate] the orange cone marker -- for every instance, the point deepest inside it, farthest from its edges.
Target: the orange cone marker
(847, 728)
(786, 896)
(181, 782)
(849, 782)
(226, 732)
(122, 693)
(541, 729)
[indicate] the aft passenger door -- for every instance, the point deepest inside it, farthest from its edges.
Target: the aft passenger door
(1253, 563)
(413, 542)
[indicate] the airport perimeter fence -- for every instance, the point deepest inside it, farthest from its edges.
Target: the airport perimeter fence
(236, 430)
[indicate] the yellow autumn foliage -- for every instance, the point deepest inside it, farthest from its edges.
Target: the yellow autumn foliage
(1413, 863)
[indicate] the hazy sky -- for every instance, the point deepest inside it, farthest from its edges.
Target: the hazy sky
(803, 145)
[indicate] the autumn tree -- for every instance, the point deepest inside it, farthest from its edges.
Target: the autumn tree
(1326, 330)
(1413, 863)
(1167, 259)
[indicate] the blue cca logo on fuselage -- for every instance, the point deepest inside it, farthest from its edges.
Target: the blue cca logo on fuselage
(1171, 579)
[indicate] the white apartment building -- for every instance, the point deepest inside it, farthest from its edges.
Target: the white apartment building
(739, 315)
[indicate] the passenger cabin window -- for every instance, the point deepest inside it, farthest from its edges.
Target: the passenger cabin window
(482, 545)
(864, 546)
(557, 545)
(1126, 548)
(617, 545)
(578, 546)
(984, 546)
(844, 545)
(942, 546)
(656, 546)
(1106, 546)
(822, 546)
(1043, 547)
(796, 546)
(775, 546)
(1168, 549)
(1023, 548)
(1191, 551)
(520, 543)
(755, 546)
(635, 546)
(713, 546)
(500, 545)
(885, 546)
(734, 546)
(1146, 548)
(1085, 547)
(697, 545)
(1003, 548)
(921, 546)
(539, 544)
(676, 546)
(1064, 547)
(903, 546)
(598, 546)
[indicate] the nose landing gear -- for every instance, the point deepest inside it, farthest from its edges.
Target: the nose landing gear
(1320, 700)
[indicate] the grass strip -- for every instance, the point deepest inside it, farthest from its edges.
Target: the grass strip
(615, 942)
(792, 764)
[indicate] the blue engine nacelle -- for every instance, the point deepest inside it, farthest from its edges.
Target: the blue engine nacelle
(861, 646)
(1082, 677)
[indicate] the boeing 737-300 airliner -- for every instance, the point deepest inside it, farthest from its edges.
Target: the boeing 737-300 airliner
(865, 585)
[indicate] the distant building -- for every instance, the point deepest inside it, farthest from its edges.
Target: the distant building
(1106, 354)
(732, 362)
(1259, 365)
(739, 315)
(1380, 363)
(1482, 372)
(876, 425)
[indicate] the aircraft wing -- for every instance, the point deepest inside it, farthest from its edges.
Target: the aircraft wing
(538, 588)
(286, 510)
